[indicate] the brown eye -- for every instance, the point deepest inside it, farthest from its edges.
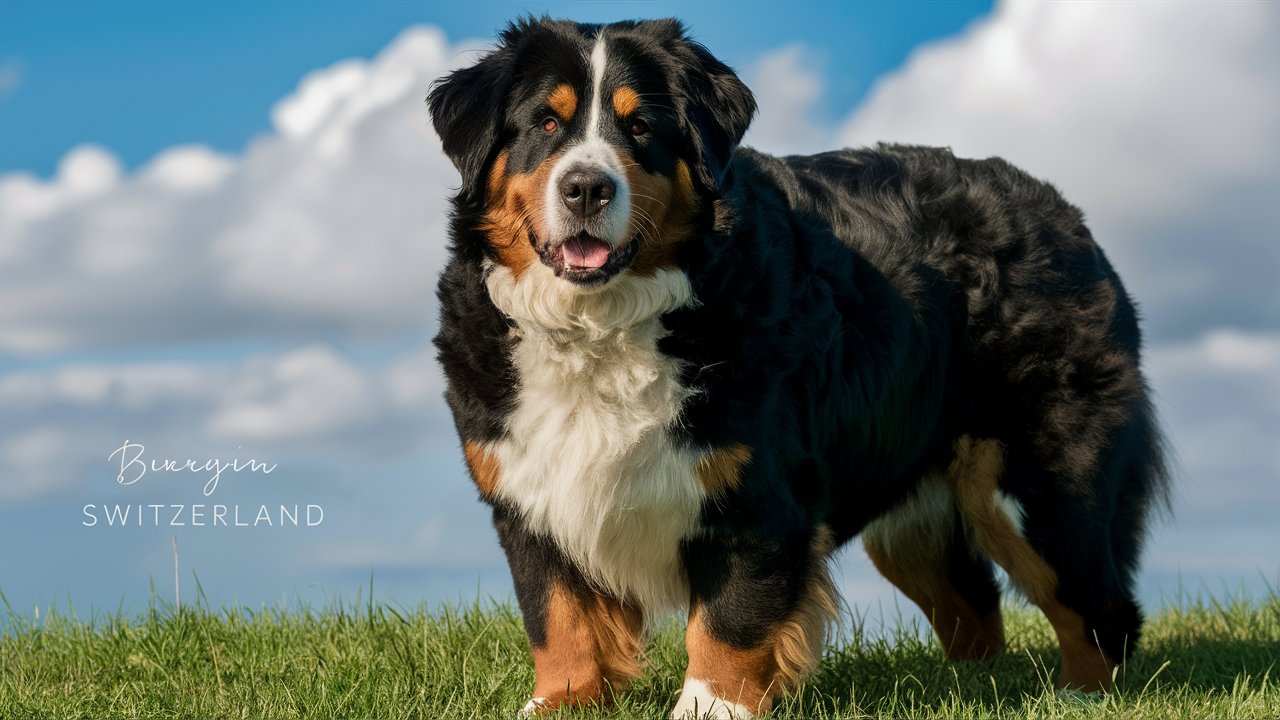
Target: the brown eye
(638, 128)
(550, 125)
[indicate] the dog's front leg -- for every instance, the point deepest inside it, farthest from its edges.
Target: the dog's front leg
(757, 620)
(585, 645)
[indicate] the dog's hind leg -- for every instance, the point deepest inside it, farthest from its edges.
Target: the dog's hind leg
(1056, 547)
(921, 547)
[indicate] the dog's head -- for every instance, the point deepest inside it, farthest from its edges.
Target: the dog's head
(590, 147)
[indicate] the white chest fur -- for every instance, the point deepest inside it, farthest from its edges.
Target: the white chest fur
(588, 457)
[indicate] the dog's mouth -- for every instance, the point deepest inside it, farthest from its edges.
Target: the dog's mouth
(585, 259)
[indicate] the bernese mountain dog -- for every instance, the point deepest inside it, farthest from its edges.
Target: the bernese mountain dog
(684, 373)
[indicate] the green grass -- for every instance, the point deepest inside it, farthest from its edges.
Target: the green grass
(1201, 659)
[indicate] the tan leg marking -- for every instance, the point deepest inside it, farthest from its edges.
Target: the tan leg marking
(593, 649)
(752, 677)
(483, 465)
(909, 546)
(744, 677)
(964, 634)
(974, 475)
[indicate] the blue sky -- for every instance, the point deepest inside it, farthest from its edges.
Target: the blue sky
(220, 228)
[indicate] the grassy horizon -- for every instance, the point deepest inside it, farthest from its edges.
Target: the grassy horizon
(1203, 657)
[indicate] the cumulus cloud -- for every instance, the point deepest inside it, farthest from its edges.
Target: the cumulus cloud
(332, 225)
(1161, 121)
(314, 395)
(787, 85)
(311, 399)
(329, 228)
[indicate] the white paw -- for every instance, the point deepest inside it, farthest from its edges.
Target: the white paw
(697, 702)
(532, 707)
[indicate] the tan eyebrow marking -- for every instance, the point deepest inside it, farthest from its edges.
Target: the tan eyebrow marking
(625, 102)
(563, 100)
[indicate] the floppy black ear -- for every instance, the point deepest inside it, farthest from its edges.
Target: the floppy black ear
(720, 108)
(466, 108)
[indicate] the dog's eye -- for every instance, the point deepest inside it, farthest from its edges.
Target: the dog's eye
(638, 128)
(550, 125)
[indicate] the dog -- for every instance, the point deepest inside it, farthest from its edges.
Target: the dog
(684, 372)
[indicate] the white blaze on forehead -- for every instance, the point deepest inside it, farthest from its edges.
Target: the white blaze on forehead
(592, 151)
(598, 61)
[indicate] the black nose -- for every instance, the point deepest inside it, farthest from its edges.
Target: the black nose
(585, 192)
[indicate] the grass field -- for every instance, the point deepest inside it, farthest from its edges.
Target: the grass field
(1201, 659)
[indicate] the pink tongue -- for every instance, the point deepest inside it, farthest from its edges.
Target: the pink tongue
(586, 252)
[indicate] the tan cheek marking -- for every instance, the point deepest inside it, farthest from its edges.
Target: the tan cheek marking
(625, 102)
(974, 476)
(514, 205)
(721, 469)
(483, 465)
(592, 649)
(661, 209)
(563, 100)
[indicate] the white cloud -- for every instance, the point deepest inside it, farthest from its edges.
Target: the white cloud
(316, 98)
(189, 167)
(1162, 121)
(1223, 350)
(312, 394)
(335, 224)
(84, 173)
(308, 393)
(787, 85)
(1163, 99)
(310, 398)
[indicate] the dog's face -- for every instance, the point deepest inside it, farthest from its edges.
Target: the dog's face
(590, 148)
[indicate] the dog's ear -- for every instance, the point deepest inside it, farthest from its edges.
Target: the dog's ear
(720, 107)
(467, 108)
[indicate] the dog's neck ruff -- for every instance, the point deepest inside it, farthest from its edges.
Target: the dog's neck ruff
(541, 303)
